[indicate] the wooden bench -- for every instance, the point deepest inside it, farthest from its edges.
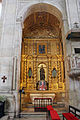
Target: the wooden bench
(40, 104)
(74, 114)
(49, 107)
(52, 114)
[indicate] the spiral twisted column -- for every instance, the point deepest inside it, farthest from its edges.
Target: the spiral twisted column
(35, 71)
(49, 72)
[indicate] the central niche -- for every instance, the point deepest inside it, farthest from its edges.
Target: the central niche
(42, 83)
(42, 72)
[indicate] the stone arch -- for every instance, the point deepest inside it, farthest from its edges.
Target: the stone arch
(45, 8)
(40, 7)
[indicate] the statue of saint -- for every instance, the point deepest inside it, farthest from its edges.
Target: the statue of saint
(42, 73)
(30, 73)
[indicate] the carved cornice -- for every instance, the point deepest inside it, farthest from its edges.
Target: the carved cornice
(73, 33)
(74, 74)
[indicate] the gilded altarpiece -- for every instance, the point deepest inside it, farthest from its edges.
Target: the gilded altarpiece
(42, 52)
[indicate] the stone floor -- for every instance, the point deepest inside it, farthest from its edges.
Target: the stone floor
(31, 118)
(34, 116)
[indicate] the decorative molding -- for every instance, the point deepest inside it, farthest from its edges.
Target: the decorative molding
(73, 33)
(74, 66)
(14, 73)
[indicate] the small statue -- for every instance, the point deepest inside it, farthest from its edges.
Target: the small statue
(30, 73)
(42, 73)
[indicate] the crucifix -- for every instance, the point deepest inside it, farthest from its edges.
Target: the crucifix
(4, 78)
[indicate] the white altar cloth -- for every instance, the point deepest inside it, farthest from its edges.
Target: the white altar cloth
(42, 95)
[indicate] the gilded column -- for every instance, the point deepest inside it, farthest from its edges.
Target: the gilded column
(49, 72)
(62, 71)
(35, 71)
(58, 69)
(24, 72)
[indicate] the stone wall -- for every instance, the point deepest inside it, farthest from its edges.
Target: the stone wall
(74, 93)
